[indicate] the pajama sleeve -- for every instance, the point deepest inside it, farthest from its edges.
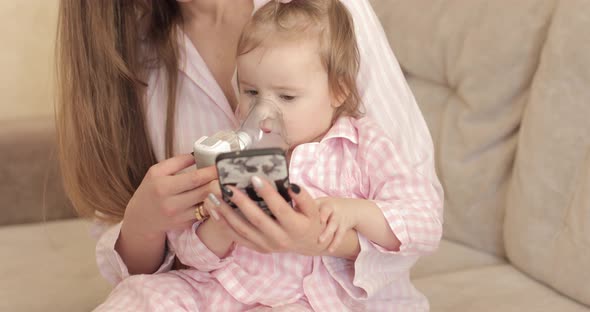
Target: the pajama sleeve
(191, 251)
(184, 244)
(110, 263)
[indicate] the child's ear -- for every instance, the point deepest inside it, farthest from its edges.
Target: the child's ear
(340, 95)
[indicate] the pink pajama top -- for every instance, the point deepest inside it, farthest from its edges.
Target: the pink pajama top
(387, 158)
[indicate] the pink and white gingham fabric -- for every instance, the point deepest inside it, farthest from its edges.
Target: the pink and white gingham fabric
(403, 184)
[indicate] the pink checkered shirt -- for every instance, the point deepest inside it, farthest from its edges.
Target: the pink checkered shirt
(398, 173)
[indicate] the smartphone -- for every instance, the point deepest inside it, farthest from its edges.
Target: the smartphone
(237, 169)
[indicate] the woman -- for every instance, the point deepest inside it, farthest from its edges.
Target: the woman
(140, 81)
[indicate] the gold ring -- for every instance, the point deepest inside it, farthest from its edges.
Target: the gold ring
(200, 212)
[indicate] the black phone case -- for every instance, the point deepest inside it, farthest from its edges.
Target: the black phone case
(237, 169)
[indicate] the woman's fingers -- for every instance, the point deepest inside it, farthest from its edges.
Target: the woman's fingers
(171, 165)
(183, 205)
(304, 202)
(212, 204)
(190, 180)
(256, 216)
(241, 226)
(189, 199)
(276, 203)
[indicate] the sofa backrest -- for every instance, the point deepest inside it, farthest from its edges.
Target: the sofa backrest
(547, 229)
(30, 184)
(504, 87)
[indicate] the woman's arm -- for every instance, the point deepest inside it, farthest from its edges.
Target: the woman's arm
(143, 253)
(110, 263)
(163, 202)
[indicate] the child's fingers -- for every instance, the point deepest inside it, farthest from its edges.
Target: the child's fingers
(325, 213)
(210, 203)
(337, 239)
(323, 236)
(329, 231)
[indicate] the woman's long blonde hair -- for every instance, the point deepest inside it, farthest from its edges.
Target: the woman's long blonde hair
(103, 51)
(327, 20)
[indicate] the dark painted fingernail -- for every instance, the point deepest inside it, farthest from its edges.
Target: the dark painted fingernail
(227, 191)
(295, 188)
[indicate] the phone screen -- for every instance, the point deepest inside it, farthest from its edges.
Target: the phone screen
(237, 169)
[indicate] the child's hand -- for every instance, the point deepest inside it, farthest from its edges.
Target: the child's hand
(215, 233)
(340, 215)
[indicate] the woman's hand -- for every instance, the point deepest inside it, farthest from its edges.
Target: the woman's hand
(166, 199)
(295, 230)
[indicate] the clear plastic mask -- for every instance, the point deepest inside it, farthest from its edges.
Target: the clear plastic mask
(264, 125)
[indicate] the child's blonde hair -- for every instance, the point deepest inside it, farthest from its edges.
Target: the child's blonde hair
(331, 22)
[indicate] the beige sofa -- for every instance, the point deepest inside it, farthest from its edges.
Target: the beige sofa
(504, 87)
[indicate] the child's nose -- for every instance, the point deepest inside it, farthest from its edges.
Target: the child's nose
(266, 125)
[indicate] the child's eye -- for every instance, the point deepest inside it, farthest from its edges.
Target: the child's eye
(251, 92)
(287, 97)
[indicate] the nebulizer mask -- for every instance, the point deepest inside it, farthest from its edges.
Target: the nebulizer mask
(262, 126)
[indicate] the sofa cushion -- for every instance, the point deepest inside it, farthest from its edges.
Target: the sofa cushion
(548, 210)
(490, 289)
(49, 267)
(451, 257)
(470, 64)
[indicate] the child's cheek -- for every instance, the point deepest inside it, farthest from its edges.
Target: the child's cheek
(242, 109)
(291, 130)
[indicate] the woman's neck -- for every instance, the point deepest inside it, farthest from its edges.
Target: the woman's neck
(213, 11)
